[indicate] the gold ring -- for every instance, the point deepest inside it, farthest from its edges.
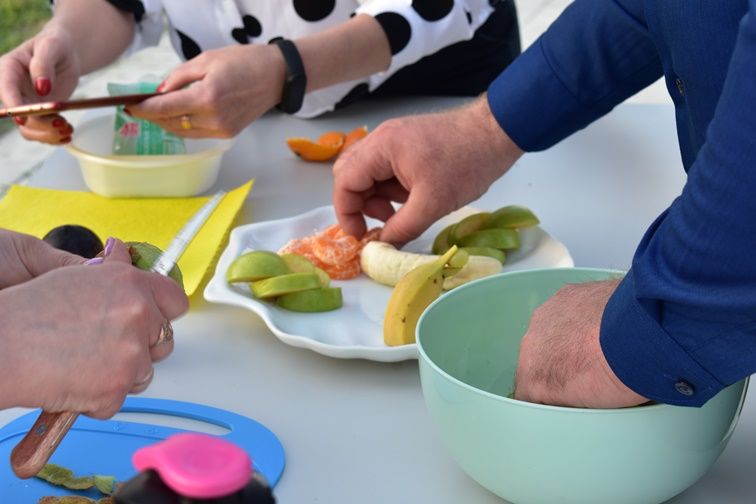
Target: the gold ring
(186, 123)
(142, 384)
(166, 333)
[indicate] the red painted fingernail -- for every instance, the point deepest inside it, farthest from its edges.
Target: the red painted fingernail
(160, 87)
(65, 140)
(43, 86)
(20, 120)
(58, 123)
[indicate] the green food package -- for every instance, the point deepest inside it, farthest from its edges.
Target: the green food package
(133, 136)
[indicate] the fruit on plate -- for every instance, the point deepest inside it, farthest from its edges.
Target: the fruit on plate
(76, 239)
(144, 255)
(332, 250)
(314, 300)
(290, 280)
(285, 284)
(256, 265)
(385, 264)
(491, 234)
(300, 264)
(513, 216)
(328, 146)
(412, 295)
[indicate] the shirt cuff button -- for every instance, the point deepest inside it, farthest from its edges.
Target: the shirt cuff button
(685, 388)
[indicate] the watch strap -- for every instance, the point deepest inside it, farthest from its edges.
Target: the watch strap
(295, 82)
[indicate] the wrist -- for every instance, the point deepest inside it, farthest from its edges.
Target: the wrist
(294, 82)
(495, 145)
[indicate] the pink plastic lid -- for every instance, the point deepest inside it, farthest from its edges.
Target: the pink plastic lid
(197, 465)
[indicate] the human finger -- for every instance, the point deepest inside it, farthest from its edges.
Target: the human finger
(47, 53)
(354, 182)
(185, 74)
(115, 251)
(13, 77)
(379, 208)
(169, 105)
(40, 257)
(141, 384)
(412, 218)
(52, 129)
(163, 346)
(169, 297)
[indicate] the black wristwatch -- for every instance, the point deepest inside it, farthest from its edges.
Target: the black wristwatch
(295, 84)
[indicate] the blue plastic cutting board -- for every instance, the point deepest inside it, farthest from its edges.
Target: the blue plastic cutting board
(105, 447)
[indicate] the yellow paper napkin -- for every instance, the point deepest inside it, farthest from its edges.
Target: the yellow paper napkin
(155, 220)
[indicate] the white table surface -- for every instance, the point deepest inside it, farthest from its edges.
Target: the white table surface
(356, 431)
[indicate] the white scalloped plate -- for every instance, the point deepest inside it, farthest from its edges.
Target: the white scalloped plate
(354, 331)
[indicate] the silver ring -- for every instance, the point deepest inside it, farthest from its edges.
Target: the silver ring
(166, 334)
(142, 384)
(186, 123)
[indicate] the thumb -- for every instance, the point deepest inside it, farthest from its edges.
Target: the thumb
(47, 53)
(411, 220)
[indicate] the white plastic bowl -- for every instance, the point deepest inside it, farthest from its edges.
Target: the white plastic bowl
(143, 176)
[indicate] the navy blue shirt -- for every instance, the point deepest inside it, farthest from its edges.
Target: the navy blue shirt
(682, 324)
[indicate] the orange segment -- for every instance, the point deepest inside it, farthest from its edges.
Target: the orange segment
(354, 136)
(335, 250)
(332, 139)
(344, 271)
(311, 151)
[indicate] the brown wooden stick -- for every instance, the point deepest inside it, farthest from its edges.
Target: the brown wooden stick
(47, 108)
(32, 453)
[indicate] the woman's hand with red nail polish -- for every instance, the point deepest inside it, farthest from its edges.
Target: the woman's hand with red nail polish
(43, 68)
(218, 86)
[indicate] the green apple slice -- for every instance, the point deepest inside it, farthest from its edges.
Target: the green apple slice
(493, 238)
(300, 264)
(512, 216)
(256, 265)
(285, 284)
(497, 254)
(311, 301)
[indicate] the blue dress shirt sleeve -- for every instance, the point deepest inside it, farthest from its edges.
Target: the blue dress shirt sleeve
(682, 325)
(595, 55)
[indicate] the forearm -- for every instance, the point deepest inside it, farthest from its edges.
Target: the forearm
(346, 52)
(100, 32)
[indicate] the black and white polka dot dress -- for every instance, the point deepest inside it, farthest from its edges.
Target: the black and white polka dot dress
(415, 29)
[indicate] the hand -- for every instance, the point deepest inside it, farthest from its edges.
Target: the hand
(561, 361)
(230, 88)
(80, 338)
(432, 163)
(44, 68)
(24, 257)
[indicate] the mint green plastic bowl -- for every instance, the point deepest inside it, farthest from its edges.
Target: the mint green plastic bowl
(534, 454)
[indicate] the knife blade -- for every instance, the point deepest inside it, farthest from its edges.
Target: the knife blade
(35, 449)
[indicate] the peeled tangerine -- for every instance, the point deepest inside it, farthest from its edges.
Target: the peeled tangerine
(328, 146)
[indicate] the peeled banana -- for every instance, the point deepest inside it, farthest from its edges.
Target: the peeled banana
(412, 295)
(385, 264)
